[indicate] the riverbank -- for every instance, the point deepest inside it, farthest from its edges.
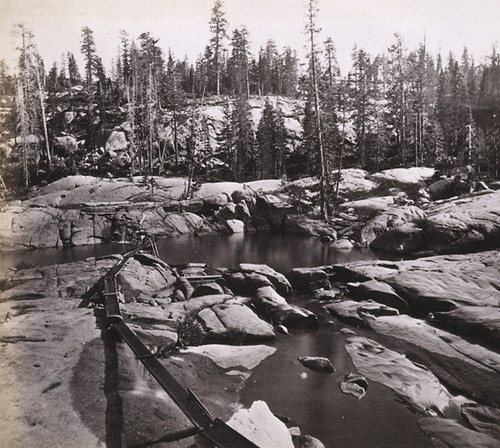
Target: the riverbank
(388, 211)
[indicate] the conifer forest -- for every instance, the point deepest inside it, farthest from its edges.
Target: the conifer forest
(402, 108)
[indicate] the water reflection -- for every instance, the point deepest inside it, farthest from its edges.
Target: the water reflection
(282, 252)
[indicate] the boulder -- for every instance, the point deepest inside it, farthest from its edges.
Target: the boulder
(215, 202)
(355, 181)
(317, 363)
(82, 232)
(405, 239)
(269, 303)
(442, 189)
(342, 244)
(300, 224)
(181, 223)
(356, 313)
(391, 218)
(371, 206)
(245, 195)
(439, 283)
(117, 141)
(34, 225)
(379, 292)
(414, 384)
(326, 294)
(466, 224)
(259, 425)
(242, 323)
(246, 284)
(185, 287)
(273, 210)
(308, 279)
(279, 281)
(148, 278)
(235, 226)
(46, 236)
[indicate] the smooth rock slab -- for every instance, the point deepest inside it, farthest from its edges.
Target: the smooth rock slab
(231, 356)
(414, 384)
(469, 368)
(483, 418)
(466, 286)
(480, 321)
(259, 425)
(356, 312)
(449, 434)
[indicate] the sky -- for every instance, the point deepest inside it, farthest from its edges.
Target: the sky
(182, 25)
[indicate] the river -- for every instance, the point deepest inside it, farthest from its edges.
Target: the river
(311, 400)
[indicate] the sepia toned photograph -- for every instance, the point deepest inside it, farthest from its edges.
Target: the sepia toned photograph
(250, 224)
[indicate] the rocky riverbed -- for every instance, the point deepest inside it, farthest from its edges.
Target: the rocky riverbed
(432, 340)
(427, 328)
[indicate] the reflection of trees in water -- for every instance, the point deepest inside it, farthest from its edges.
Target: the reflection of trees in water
(280, 251)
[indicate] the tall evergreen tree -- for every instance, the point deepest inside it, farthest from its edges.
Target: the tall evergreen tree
(312, 31)
(218, 29)
(238, 63)
(271, 138)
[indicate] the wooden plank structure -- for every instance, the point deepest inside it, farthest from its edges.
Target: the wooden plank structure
(213, 429)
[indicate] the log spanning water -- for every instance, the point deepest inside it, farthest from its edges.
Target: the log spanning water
(212, 428)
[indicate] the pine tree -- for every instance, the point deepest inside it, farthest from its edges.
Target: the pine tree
(238, 63)
(73, 71)
(312, 32)
(271, 138)
(361, 89)
(30, 101)
(218, 28)
(89, 54)
(289, 69)
(243, 157)
(174, 101)
(397, 100)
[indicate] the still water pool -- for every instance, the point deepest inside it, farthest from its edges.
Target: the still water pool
(311, 400)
